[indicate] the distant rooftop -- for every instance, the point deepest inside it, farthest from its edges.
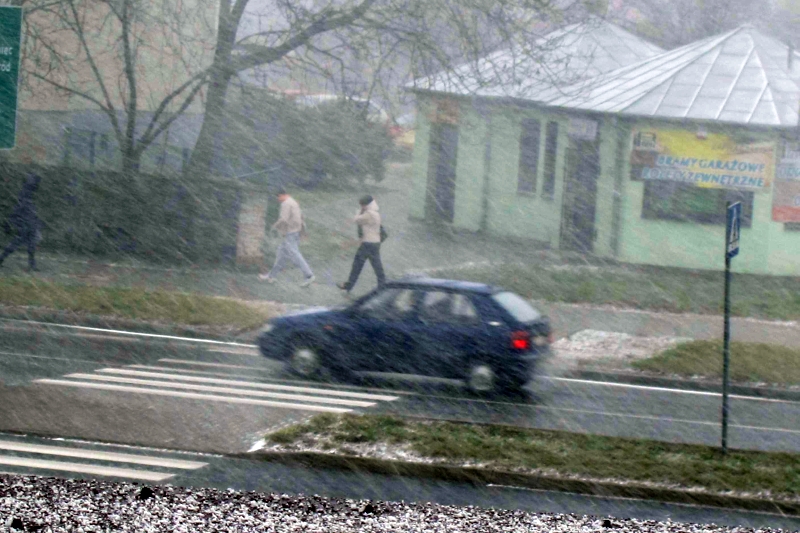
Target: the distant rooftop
(575, 53)
(740, 77)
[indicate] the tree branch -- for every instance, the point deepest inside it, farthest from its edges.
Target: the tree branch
(324, 22)
(78, 28)
(151, 134)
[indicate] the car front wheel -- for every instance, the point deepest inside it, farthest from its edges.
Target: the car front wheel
(305, 361)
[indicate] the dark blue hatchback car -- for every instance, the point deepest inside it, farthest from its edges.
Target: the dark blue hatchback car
(490, 338)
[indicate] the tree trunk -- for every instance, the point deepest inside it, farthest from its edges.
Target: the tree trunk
(203, 154)
(130, 160)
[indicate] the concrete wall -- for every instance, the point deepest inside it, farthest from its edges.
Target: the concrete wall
(621, 232)
(180, 36)
(420, 162)
(530, 215)
(687, 244)
(507, 212)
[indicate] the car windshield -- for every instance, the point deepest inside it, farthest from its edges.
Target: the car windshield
(517, 307)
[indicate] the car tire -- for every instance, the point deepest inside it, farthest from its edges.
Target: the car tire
(481, 379)
(305, 360)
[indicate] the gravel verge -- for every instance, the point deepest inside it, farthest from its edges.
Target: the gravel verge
(29, 503)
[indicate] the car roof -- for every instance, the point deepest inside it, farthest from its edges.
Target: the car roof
(448, 284)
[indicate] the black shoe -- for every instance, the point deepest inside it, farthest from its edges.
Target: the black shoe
(343, 286)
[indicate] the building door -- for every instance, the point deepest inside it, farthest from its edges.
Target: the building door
(440, 204)
(580, 196)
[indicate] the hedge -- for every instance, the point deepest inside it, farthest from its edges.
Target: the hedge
(109, 214)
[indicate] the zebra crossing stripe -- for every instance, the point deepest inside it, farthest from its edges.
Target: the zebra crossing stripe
(194, 396)
(83, 468)
(252, 384)
(100, 455)
(207, 388)
(200, 363)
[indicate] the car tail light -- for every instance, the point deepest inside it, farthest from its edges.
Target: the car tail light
(521, 340)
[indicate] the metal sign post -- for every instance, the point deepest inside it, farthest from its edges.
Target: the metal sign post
(732, 226)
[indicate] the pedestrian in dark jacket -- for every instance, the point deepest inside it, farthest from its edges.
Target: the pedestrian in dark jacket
(25, 221)
(368, 221)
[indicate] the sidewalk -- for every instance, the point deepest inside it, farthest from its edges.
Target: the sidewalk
(411, 247)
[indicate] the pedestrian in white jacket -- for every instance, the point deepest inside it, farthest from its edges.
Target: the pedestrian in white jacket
(290, 225)
(368, 221)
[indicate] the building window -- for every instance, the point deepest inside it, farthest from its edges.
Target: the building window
(529, 155)
(551, 149)
(684, 202)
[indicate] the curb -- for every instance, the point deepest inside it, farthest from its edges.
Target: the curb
(109, 322)
(685, 384)
(531, 481)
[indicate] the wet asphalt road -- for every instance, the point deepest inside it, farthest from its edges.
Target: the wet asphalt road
(222, 398)
(207, 397)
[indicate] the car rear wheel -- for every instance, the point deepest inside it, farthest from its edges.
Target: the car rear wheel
(482, 379)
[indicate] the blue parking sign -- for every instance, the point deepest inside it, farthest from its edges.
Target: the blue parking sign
(732, 228)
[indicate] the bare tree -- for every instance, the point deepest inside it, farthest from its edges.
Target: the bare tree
(423, 36)
(123, 57)
(681, 22)
(151, 60)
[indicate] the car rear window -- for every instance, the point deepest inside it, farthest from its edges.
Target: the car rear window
(516, 306)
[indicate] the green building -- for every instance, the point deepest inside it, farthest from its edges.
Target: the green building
(633, 157)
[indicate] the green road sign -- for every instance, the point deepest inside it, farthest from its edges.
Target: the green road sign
(10, 42)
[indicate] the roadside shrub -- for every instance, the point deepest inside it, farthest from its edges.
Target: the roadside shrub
(109, 214)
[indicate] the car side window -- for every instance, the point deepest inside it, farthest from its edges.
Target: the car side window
(404, 303)
(462, 310)
(444, 307)
(390, 304)
(435, 306)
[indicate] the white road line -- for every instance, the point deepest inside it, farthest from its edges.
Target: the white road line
(135, 333)
(82, 468)
(209, 372)
(229, 390)
(237, 351)
(202, 363)
(193, 396)
(100, 455)
(667, 419)
(252, 384)
(250, 369)
(117, 338)
(666, 389)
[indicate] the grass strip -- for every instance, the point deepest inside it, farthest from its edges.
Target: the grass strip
(651, 288)
(590, 456)
(750, 362)
(132, 303)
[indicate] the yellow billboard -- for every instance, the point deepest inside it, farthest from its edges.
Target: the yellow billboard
(713, 160)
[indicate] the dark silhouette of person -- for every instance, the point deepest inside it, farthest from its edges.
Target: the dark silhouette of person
(25, 222)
